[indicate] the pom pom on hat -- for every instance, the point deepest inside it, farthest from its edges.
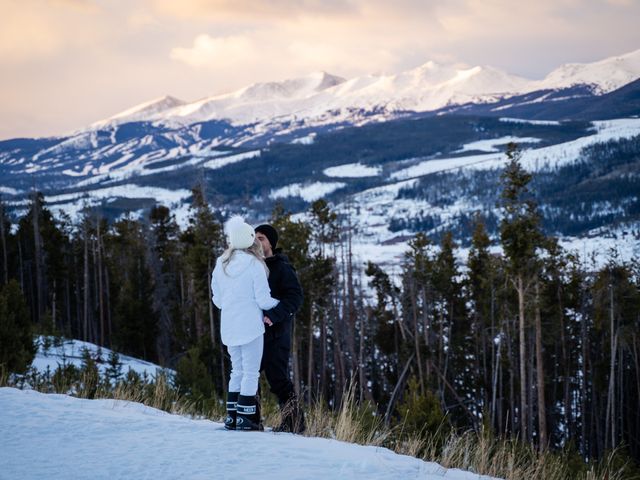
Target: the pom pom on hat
(239, 233)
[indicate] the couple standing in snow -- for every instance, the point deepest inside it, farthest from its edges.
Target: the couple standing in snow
(258, 291)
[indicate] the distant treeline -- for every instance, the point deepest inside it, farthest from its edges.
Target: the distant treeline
(529, 343)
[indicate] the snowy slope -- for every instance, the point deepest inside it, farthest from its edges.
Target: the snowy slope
(62, 437)
(144, 110)
(605, 75)
(50, 357)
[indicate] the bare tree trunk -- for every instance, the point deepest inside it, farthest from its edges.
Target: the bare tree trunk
(53, 305)
(67, 293)
(611, 406)
(416, 337)
(523, 360)
(37, 241)
(85, 324)
(310, 351)
(494, 406)
(323, 361)
(295, 361)
(568, 405)
(398, 387)
(542, 414)
(108, 307)
(3, 238)
(351, 316)
(583, 379)
(426, 330)
(338, 355)
(21, 264)
(100, 286)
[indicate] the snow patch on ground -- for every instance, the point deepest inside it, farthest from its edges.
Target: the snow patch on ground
(489, 145)
(9, 190)
(222, 162)
(532, 159)
(531, 122)
(70, 352)
(446, 164)
(309, 192)
(352, 170)
(60, 437)
(162, 195)
(307, 140)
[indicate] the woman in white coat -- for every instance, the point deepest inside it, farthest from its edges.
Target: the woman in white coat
(240, 289)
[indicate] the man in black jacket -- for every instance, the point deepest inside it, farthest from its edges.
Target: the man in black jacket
(285, 286)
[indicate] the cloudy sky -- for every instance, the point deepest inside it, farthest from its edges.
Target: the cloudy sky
(67, 63)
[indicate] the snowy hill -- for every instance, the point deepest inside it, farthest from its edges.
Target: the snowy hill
(603, 76)
(61, 437)
(51, 356)
(143, 111)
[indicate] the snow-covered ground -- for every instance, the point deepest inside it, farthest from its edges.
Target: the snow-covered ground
(491, 144)
(62, 437)
(309, 192)
(352, 170)
(70, 352)
(533, 159)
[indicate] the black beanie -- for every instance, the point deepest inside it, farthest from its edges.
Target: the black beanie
(269, 232)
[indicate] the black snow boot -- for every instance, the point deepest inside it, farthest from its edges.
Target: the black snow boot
(247, 414)
(232, 400)
(292, 417)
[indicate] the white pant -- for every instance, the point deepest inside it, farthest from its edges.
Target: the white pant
(245, 366)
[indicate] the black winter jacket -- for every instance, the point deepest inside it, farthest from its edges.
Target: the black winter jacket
(285, 286)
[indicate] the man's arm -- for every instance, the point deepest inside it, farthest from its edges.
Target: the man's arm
(292, 297)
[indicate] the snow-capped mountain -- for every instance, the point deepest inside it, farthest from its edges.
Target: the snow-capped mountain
(603, 76)
(143, 111)
(427, 88)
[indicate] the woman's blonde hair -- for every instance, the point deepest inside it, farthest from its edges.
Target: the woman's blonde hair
(255, 250)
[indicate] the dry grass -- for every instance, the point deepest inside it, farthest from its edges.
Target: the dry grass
(351, 423)
(480, 453)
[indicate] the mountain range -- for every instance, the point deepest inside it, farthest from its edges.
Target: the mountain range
(427, 88)
(404, 136)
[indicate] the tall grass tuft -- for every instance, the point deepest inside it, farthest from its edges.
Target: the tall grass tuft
(351, 423)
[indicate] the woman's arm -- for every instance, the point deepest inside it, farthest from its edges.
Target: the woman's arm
(216, 295)
(261, 289)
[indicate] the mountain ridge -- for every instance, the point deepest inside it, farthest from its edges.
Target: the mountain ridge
(429, 87)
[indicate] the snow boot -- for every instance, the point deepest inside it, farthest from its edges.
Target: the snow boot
(232, 400)
(247, 414)
(292, 417)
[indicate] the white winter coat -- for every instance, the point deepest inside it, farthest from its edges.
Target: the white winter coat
(241, 291)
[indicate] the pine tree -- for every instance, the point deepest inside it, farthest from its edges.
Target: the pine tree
(135, 321)
(481, 291)
(17, 348)
(520, 236)
(5, 229)
(203, 242)
(164, 263)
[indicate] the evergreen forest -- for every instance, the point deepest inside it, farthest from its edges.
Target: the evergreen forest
(531, 343)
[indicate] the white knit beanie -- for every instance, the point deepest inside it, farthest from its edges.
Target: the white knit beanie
(239, 233)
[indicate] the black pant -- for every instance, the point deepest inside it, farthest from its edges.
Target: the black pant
(275, 364)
